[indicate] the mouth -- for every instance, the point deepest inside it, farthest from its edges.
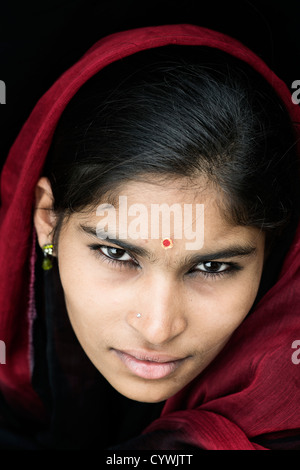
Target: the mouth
(149, 365)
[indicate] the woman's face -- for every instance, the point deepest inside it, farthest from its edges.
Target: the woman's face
(189, 300)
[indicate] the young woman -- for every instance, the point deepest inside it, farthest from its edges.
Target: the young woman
(125, 333)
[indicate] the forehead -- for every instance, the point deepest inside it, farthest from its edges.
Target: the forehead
(175, 203)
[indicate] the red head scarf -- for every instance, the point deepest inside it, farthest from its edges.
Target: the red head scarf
(252, 390)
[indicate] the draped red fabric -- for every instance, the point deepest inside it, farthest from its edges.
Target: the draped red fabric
(253, 388)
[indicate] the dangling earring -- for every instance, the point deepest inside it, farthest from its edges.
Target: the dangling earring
(48, 253)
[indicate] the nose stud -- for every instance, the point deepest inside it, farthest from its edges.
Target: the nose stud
(138, 315)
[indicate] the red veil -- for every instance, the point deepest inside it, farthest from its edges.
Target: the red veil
(251, 392)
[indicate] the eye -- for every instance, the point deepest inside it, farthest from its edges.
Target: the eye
(115, 253)
(116, 257)
(213, 267)
(213, 270)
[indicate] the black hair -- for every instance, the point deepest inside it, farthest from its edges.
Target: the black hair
(179, 112)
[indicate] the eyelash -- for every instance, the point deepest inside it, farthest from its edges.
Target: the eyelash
(232, 267)
(115, 262)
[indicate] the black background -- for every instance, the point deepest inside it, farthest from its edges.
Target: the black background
(39, 40)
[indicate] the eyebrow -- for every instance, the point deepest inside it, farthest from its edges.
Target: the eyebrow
(226, 253)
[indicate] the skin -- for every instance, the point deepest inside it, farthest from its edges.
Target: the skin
(185, 314)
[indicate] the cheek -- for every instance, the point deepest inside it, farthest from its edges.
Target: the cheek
(88, 298)
(217, 314)
(97, 305)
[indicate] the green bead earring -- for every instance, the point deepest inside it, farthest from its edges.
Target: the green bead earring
(48, 253)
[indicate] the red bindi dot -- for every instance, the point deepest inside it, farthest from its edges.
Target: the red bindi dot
(167, 243)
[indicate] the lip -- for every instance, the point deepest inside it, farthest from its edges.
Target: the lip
(149, 365)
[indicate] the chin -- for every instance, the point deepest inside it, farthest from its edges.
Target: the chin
(150, 393)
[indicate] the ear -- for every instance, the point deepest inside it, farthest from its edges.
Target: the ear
(44, 218)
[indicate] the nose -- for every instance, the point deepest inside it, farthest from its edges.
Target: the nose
(160, 313)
